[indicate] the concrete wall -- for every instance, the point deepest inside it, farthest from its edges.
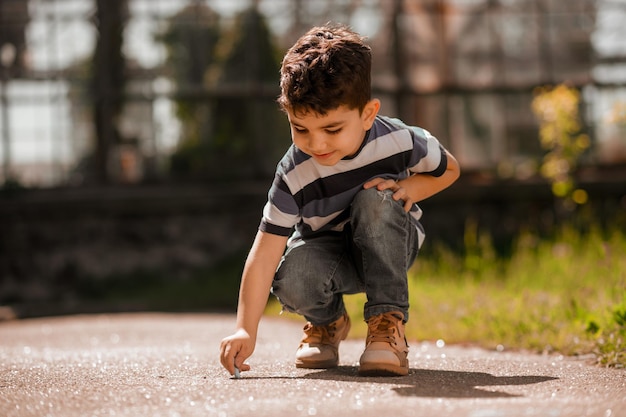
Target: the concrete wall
(53, 240)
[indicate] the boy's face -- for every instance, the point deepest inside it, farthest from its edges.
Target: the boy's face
(333, 136)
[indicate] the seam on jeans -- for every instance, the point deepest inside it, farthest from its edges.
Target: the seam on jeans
(333, 272)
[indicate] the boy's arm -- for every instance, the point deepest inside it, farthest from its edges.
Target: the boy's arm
(419, 187)
(256, 281)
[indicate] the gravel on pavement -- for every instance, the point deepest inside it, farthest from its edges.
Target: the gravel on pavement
(157, 364)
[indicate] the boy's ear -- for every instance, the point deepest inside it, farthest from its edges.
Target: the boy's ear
(369, 113)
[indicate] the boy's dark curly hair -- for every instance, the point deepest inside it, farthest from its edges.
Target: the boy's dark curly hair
(326, 68)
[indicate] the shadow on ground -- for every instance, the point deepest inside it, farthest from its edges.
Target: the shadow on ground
(436, 383)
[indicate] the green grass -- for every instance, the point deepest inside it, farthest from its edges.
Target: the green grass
(565, 295)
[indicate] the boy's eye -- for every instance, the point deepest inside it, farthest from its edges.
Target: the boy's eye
(333, 132)
(299, 129)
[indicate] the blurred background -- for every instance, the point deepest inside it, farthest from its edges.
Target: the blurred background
(138, 138)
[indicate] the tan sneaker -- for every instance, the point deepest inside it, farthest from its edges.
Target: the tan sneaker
(319, 348)
(386, 348)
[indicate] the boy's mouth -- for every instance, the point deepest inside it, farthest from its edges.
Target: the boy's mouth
(323, 156)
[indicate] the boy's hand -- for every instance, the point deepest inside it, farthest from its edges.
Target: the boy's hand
(399, 192)
(235, 349)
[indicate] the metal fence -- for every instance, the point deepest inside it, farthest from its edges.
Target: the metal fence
(464, 69)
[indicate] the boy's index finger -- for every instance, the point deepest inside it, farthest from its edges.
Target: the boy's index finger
(372, 183)
(227, 358)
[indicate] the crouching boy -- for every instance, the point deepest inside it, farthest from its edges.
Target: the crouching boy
(343, 205)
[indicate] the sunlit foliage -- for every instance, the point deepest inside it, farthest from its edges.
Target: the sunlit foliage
(560, 134)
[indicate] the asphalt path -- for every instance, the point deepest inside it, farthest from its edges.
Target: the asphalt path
(167, 365)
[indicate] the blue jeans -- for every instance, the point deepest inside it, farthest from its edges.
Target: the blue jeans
(372, 255)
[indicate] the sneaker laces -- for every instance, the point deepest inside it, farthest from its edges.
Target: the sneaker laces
(319, 334)
(383, 328)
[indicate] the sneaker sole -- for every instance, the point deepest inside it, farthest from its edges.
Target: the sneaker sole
(316, 365)
(381, 369)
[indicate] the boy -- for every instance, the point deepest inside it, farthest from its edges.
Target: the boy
(348, 185)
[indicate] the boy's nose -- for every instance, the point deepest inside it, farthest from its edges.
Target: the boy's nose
(317, 144)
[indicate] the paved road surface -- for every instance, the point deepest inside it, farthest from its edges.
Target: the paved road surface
(167, 365)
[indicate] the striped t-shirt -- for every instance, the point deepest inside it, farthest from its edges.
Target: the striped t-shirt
(315, 198)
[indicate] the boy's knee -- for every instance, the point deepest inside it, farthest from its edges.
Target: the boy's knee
(295, 292)
(374, 205)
